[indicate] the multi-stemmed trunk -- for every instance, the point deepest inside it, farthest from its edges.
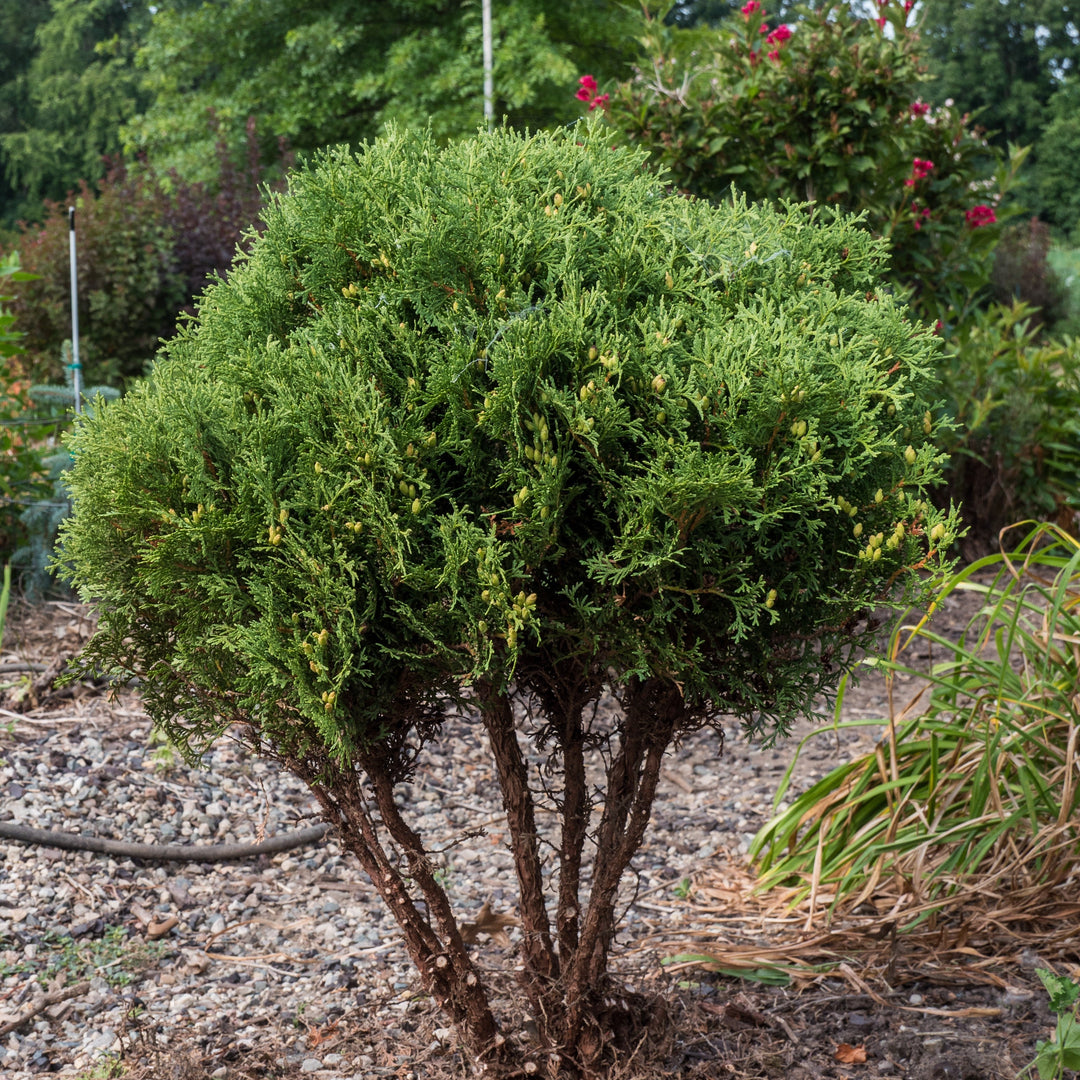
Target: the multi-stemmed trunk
(563, 973)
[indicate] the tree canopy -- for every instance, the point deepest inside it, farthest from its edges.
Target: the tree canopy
(334, 71)
(1007, 59)
(64, 95)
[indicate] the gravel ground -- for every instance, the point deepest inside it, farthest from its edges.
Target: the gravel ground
(290, 957)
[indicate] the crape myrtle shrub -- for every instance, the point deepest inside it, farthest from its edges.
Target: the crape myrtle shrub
(502, 423)
(829, 108)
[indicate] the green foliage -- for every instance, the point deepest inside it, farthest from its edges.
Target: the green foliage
(18, 25)
(1065, 262)
(973, 792)
(468, 414)
(1061, 1052)
(1005, 60)
(78, 86)
(335, 71)
(1057, 166)
(1015, 400)
(830, 113)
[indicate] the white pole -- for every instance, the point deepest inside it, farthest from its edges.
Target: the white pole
(76, 367)
(489, 92)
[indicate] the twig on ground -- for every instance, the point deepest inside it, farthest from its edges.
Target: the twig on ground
(40, 1006)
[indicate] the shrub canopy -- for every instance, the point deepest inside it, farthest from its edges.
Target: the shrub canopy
(501, 409)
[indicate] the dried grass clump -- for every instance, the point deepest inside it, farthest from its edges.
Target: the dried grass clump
(967, 808)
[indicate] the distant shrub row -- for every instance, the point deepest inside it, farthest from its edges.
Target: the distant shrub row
(147, 246)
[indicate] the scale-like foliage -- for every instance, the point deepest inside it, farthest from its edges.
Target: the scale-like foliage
(469, 413)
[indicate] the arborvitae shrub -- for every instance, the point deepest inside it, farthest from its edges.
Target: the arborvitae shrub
(497, 424)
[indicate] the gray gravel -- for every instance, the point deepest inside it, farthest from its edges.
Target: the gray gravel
(297, 941)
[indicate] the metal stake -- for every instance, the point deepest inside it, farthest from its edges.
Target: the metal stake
(76, 367)
(489, 91)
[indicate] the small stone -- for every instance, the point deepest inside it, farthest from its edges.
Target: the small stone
(916, 999)
(310, 1065)
(332, 1060)
(102, 1041)
(219, 1074)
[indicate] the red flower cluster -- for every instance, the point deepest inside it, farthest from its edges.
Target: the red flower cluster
(920, 214)
(587, 92)
(920, 169)
(779, 35)
(919, 108)
(750, 7)
(881, 22)
(980, 215)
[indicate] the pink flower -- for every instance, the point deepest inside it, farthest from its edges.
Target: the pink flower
(601, 100)
(909, 182)
(753, 58)
(588, 84)
(750, 7)
(938, 327)
(775, 55)
(763, 28)
(583, 94)
(908, 5)
(920, 214)
(921, 168)
(919, 108)
(980, 215)
(779, 35)
(881, 22)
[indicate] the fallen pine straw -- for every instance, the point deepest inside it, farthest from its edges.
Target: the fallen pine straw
(983, 944)
(951, 851)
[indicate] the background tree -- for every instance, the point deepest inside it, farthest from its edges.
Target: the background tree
(18, 25)
(1005, 59)
(334, 71)
(66, 96)
(1057, 173)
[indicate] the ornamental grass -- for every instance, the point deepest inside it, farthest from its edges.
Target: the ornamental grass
(968, 804)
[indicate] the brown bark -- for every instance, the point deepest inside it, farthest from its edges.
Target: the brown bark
(541, 964)
(652, 711)
(437, 951)
(575, 809)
